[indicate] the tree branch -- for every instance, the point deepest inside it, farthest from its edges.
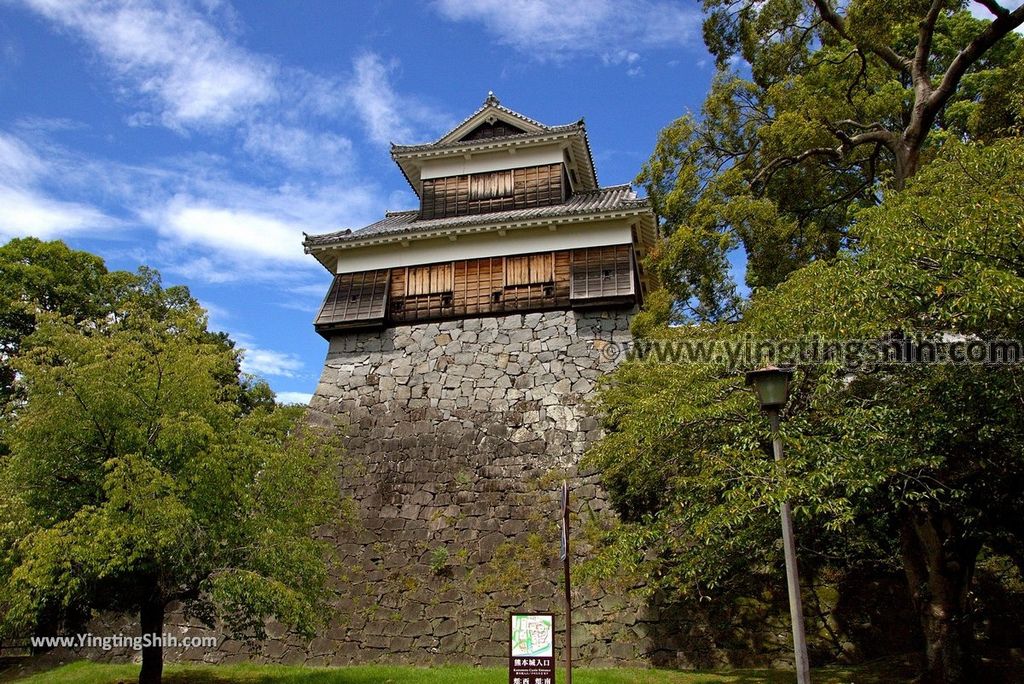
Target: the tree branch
(886, 53)
(874, 126)
(766, 173)
(994, 7)
(926, 32)
(875, 133)
(862, 73)
(1003, 24)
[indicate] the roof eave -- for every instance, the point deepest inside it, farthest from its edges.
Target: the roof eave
(325, 258)
(486, 144)
(515, 224)
(402, 156)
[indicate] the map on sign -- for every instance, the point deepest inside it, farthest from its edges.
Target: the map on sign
(533, 636)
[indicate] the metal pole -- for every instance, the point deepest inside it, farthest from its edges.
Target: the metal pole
(568, 586)
(796, 611)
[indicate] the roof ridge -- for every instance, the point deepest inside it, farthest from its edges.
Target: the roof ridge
(492, 102)
(399, 212)
(548, 130)
(604, 189)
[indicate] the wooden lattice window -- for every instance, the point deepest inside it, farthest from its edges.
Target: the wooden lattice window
(601, 272)
(480, 193)
(425, 280)
(539, 186)
(490, 185)
(529, 269)
(355, 298)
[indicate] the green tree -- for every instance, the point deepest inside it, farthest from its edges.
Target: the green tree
(135, 479)
(921, 463)
(827, 106)
(39, 277)
(47, 276)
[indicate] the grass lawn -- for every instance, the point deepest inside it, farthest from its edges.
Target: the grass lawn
(92, 673)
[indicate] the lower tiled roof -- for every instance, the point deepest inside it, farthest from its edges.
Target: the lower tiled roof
(609, 199)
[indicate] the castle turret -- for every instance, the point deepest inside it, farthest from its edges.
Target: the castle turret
(465, 337)
(511, 219)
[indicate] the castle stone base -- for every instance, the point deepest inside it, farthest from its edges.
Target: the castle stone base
(459, 435)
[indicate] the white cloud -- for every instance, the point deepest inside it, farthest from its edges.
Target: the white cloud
(387, 116)
(227, 230)
(620, 57)
(221, 230)
(555, 29)
(27, 209)
(294, 397)
(172, 54)
(259, 361)
(311, 290)
(18, 163)
(26, 212)
(630, 59)
(376, 101)
(211, 225)
(180, 58)
(300, 149)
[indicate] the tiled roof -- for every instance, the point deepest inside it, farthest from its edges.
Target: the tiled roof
(612, 198)
(407, 156)
(548, 130)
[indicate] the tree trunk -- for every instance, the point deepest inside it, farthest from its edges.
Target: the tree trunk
(151, 619)
(939, 563)
(908, 160)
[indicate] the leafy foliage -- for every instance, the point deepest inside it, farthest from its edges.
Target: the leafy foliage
(823, 111)
(142, 471)
(877, 459)
(38, 277)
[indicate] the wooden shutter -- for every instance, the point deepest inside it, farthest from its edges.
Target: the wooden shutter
(424, 280)
(490, 185)
(355, 298)
(529, 269)
(600, 272)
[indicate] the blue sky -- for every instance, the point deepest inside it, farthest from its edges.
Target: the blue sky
(202, 138)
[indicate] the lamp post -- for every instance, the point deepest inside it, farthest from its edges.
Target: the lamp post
(771, 385)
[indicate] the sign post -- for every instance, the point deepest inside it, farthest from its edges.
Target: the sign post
(568, 585)
(531, 648)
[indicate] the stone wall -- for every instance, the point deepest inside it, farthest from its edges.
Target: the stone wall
(460, 434)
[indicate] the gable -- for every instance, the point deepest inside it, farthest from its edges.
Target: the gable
(492, 129)
(497, 117)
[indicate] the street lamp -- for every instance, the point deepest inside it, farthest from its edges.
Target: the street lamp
(771, 385)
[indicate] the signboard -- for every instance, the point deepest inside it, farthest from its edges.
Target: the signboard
(531, 648)
(565, 522)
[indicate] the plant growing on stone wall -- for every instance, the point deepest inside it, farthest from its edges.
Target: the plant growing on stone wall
(134, 480)
(439, 561)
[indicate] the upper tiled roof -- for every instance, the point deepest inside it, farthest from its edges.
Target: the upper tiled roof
(564, 128)
(410, 158)
(609, 199)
